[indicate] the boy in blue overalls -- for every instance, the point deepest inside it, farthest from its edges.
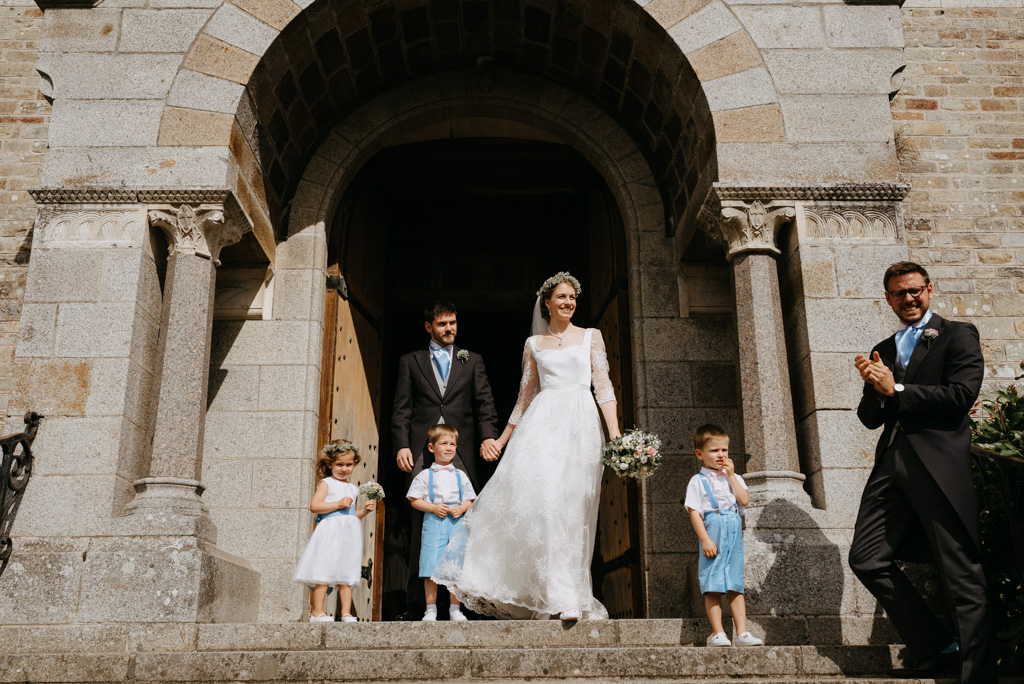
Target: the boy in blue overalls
(714, 498)
(444, 494)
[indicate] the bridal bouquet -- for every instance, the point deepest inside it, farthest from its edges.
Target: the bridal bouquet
(372, 491)
(635, 454)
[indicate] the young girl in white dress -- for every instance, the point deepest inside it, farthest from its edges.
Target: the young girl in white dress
(334, 553)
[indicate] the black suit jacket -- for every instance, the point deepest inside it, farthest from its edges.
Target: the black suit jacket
(942, 382)
(467, 405)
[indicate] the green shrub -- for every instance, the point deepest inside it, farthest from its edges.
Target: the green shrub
(998, 451)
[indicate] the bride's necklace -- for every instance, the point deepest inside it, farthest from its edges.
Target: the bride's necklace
(556, 335)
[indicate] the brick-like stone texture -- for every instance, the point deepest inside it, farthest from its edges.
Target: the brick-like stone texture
(24, 121)
(959, 118)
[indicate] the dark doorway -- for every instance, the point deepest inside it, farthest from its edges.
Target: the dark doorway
(482, 222)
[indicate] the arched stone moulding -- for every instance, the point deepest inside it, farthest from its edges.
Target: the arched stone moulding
(678, 75)
(557, 112)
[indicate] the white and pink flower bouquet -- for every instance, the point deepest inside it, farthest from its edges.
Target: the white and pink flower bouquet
(636, 454)
(372, 491)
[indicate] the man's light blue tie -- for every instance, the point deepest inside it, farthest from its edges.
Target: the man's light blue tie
(443, 363)
(906, 340)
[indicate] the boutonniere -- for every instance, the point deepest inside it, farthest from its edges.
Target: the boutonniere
(929, 336)
(462, 356)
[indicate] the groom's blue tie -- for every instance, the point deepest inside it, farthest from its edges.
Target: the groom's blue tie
(443, 363)
(906, 340)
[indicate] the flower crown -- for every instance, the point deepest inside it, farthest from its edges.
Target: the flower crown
(560, 277)
(342, 448)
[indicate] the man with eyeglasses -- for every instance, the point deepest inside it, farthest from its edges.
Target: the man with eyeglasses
(919, 502)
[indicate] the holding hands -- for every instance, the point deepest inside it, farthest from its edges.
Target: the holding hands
(874, 372)
(490, 449)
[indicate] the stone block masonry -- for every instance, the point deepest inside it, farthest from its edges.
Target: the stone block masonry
(963, 129)
(24, 122)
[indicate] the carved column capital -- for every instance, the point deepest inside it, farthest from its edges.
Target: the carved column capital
(753, 226)
(202, 230)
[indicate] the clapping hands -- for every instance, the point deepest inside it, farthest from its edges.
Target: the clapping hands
(874, 372)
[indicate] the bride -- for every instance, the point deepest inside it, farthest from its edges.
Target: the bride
(525, 546)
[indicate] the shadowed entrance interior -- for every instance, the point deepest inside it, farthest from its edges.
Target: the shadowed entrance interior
(481, 221)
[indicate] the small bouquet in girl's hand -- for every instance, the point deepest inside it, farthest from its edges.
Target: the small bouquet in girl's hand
(635, 454)
(372, 491)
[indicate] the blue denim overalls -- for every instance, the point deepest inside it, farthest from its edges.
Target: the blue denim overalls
(437, 532)
(724, 572)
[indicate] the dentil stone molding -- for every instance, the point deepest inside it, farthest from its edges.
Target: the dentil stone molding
(202, 231)
(818, 192)
(752, 226)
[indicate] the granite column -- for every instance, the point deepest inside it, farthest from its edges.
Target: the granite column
(769, 430)
(195, 237)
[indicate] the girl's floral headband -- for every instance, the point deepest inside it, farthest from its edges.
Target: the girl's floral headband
(560, 277)
(342, 448)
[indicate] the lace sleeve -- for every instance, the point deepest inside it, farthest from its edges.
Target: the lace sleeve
(603, 388)
(528, 386)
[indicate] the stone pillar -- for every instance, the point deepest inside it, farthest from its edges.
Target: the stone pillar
(195, 238)
(769, 431)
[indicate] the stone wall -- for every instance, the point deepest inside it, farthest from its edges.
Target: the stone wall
(24, 119)
(963, 151)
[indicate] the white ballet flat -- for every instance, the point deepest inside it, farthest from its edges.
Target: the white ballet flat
(570, 615)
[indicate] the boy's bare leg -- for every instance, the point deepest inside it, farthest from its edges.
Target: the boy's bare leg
(430, 589)
(319, 595)
(454, 600)
(713, 605)
(345, 597)
(738, 608)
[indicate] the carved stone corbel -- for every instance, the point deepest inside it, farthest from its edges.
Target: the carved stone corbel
(753, 226)
(203, 231)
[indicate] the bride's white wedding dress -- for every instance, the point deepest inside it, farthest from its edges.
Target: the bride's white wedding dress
(525, 546)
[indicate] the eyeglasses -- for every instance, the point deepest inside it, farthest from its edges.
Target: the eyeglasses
(914, 292)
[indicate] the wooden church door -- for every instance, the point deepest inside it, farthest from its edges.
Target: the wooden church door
(616, 570)
(350, 389)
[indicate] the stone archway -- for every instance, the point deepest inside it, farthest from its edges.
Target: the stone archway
(555, 111)
(660, 70)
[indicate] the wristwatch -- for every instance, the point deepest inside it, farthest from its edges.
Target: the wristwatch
(897, 390)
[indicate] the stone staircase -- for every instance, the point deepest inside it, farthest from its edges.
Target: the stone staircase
(478, 651)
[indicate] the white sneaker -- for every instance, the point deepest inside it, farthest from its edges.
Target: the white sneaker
(747, 639)
(430, 616)
(457, 616)
(349, 618)
(322, 617)
(719, 639)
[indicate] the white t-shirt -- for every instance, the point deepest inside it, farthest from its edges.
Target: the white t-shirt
(697, 497)
(446, 486)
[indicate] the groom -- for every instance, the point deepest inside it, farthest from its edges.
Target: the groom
(919, 386)
(440, 384)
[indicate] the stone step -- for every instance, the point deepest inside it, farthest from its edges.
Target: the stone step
(590, 651)
(460, 664)
(296, 636)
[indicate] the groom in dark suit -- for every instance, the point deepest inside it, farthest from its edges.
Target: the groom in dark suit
(919, 500)
(441, 384)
